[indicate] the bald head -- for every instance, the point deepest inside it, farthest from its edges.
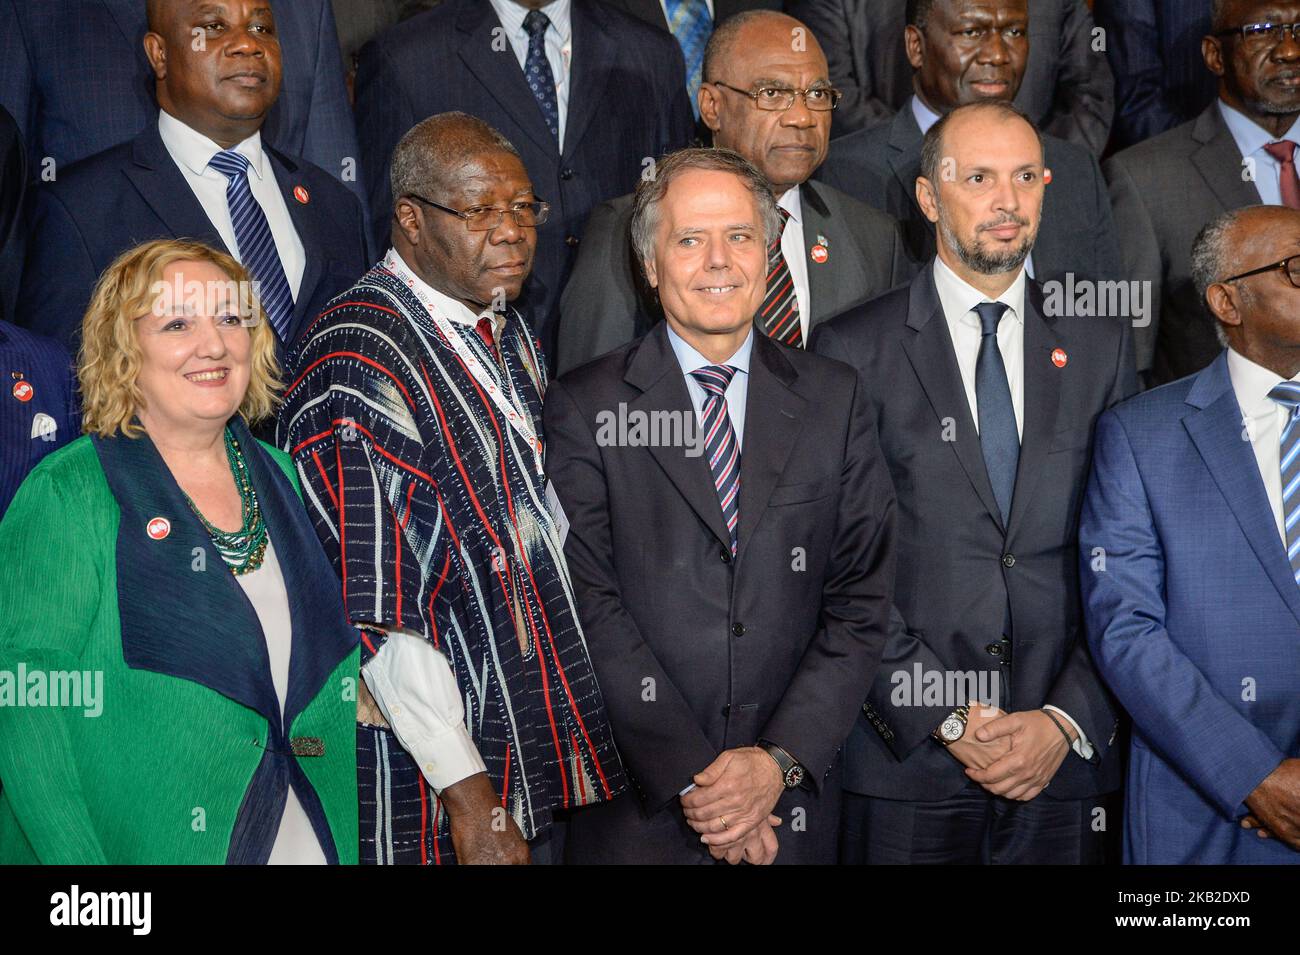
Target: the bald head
(753, 33)
(427, 159)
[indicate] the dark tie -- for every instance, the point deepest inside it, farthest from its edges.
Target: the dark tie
(488, 335)
(998, 436)
(257, 251)
(1284, 153)
(537, 70)
(720, 442)
(779, 315)
(1287, 394)
(691, 24)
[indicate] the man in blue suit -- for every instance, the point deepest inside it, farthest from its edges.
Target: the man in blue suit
(200, 170)
(590, 97)
(1190, 565)
(75, 76)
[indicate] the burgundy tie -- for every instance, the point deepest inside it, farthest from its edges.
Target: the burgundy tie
(1284, 153)
(485, 332)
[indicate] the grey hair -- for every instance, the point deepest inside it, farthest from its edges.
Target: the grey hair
(650, 192)
(434, 145)
(932, 145)
(1210, 255)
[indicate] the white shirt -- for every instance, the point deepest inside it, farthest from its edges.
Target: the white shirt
(958, 300)
(689, 359)
(192, 151)
(925, 118)
(1251, 138)
(795, 251)
(558, 41)
(1263, 420)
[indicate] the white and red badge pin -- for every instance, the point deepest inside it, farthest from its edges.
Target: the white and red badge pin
(158, 528)
(301, 194)
(820, 251)
(1059, 357)
(23, 391)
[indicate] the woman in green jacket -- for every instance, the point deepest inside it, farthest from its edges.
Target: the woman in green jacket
(177, 677)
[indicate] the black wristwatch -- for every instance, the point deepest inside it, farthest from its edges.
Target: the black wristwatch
(791, 772)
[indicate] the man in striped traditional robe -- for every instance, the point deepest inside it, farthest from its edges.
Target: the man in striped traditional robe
(413, 413)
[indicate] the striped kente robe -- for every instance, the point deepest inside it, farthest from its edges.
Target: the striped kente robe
(431, 508)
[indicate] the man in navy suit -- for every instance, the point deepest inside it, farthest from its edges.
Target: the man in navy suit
(1189, 549)
(202, 171)
(588, 95)
(75, 76)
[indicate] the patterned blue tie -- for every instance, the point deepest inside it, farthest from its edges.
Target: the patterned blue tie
(720, 442)
(257, 251)
(537, 70)
(1287, 394)
(999, 438)
(691, 25)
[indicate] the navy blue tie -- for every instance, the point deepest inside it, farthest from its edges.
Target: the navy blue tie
(537, 70)
(257, 251)
(720, 442)
(999, 438)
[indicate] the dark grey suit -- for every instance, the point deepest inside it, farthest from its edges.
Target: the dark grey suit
(1067, 89)
(697, 651)
(880, 166)
(962, 574)
(1163, 192)
(607, 302)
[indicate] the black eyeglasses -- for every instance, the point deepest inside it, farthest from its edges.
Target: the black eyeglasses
(1263, 35)
(1290, 267)
(822, 99)
(527, 215)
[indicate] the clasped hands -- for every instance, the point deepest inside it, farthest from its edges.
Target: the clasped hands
(1275, 805)
(1014, 755)
(731, 805)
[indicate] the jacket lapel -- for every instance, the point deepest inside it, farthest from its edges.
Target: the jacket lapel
(154, 176)
(653, 369)
(933, 359)
(130, 19)
(826, 295)
(590, 72)
(1219, 161)
(772, 419)
(1216, 430)
(307, 221)
(1042, 399)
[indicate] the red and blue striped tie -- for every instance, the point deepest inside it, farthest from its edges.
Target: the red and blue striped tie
(779, 316)
(720, 442)
(1287, 394)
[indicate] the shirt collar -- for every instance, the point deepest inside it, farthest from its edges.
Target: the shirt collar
(194, 151)
(512, 16)
(457, 311)
(925, 117)
(1249, 135)
(959, 298)
(1252, 383)
(690, 360)
(792, 203)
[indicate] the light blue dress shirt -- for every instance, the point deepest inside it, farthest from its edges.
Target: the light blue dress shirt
(1251, 139)
(558, 39)
(690, 360)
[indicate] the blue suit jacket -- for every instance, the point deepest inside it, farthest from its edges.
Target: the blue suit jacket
(134, 193)
(628, 104)
(1193, 617)
(75, 77)
(46, 367)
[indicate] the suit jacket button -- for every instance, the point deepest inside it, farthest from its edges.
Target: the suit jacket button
(1008, 560)
(570, 240)
(994, 649)
(566, 173)
(724, 556)
(726, 711)
(738, 629)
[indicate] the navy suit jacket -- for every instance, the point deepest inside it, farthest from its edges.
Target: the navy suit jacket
(13, 191)
(134, 193)
(74, 75)
(1194, 619)
(45, 368)
(1077, 235)
(627, 106)
(959, 567)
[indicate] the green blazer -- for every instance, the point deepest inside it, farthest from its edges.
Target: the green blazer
(179, 755)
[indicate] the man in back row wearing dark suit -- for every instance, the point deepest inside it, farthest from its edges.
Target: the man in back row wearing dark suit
(967, 51)
(733, 574)
(1239, 152)
(587, 94)
(199, 171)
(986, 402)
(1067, 89)
(833, 252)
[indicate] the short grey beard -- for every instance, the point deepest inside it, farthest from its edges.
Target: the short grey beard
(975, 258)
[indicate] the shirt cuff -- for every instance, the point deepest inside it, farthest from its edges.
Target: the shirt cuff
(414, 688)
(1080, 745)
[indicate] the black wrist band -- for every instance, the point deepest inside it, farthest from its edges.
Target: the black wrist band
(1068, 742)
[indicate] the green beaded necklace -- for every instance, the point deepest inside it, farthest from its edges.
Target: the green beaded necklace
(242, 550)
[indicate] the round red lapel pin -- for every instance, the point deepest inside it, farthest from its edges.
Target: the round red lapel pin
(158, 528)
(819, 254)
(23, 390)
(1059, 357)
(301, 194)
